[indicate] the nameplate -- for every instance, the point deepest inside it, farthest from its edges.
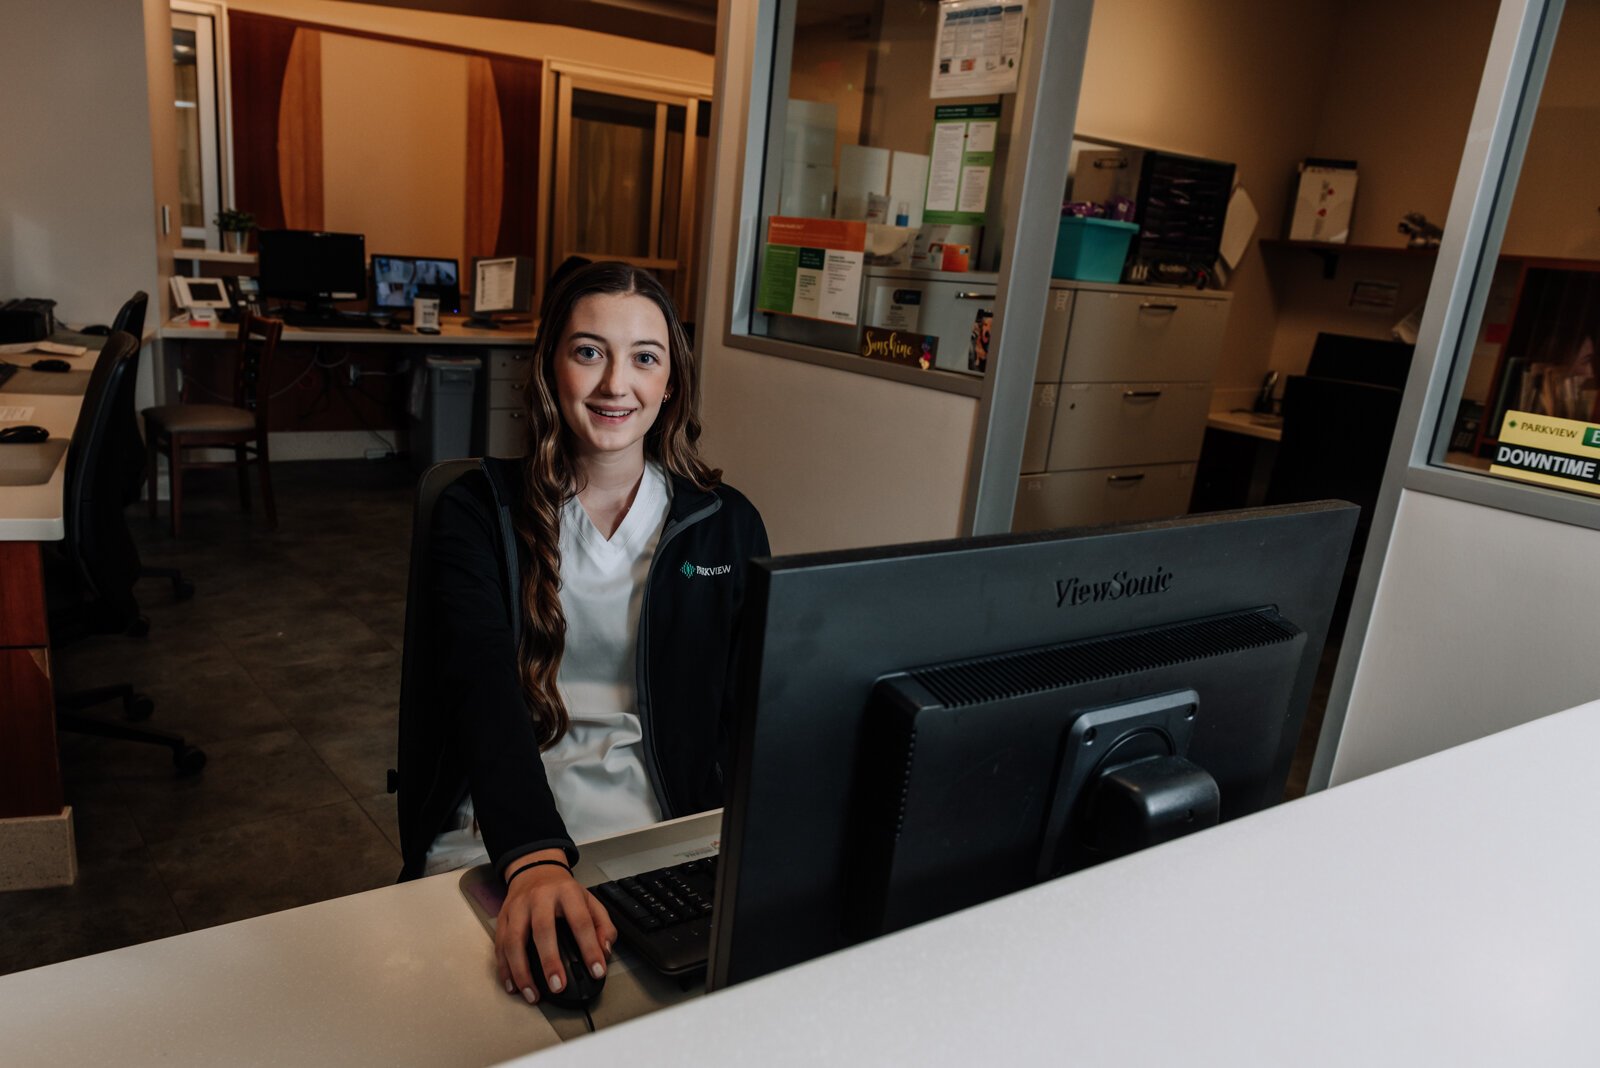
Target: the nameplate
(899, 346)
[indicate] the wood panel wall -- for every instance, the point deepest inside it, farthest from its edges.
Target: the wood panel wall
(277, 133)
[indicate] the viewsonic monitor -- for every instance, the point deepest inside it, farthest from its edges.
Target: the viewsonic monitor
(924, 727)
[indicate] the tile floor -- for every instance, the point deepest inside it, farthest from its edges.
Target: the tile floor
(285, 669)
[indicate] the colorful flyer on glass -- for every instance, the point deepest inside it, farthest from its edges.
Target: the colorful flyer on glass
(979, 48)
(812, 268)
(961, 163)
(1549, 451)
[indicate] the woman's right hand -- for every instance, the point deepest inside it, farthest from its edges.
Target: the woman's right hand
(534, 900)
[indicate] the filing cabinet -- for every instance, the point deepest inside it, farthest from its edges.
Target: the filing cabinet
(1120, 398)
(505, 402)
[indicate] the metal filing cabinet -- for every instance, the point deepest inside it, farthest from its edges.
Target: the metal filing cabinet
(1120, 398)
(505, 417)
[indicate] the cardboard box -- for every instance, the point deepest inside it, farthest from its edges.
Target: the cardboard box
(1324, 201)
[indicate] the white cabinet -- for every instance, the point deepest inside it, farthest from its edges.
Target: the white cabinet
(505, 402)
(1120, 398)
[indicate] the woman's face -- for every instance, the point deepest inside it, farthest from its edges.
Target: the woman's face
(612, 372)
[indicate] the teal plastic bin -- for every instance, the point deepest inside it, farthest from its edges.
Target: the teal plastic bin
(1092, 250)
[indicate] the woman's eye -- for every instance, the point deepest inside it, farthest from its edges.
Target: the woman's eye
(648, 358)
(587, 352)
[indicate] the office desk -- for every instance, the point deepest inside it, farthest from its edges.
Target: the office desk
(504, 353)
(35, 827)
(1441, 912)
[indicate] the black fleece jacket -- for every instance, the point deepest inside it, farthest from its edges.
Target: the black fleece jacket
(687, 653)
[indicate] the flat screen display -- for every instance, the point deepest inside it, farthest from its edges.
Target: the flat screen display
(313, 265)
(398, 280)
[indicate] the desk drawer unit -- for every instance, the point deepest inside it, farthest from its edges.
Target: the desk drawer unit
(505, 418)
(1115, 424)
(1144, 337)
(1102, 495)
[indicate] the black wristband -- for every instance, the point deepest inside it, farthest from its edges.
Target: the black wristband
(536, 864)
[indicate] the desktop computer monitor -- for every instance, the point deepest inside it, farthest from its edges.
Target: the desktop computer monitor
(500, 284)
(925, 727)
(398, 280)
(313, 266)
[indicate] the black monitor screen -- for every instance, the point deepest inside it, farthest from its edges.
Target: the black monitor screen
(920, 728)
(398, 280)
(312, 265)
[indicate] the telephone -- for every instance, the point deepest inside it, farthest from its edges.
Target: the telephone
(1265, 404)
(201, 297)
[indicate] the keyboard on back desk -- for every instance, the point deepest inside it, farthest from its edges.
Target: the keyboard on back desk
(665, 914)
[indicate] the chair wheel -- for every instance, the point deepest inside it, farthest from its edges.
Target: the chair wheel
(182, 589)
(137, 708)
(139, 628)
(188, 761)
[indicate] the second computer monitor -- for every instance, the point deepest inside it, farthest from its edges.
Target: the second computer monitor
(398, 280)
(315, 266)
(920, 728)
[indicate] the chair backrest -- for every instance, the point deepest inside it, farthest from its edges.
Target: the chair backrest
(422, 740)
(1335, 443)
(130, 320)
(252, 371)
(97, 539)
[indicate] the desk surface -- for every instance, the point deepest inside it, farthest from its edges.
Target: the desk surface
(451, 332)
(1441, 912)
(35, 513)
(1247, 423)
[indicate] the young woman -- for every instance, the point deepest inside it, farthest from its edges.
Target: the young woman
(586, 599)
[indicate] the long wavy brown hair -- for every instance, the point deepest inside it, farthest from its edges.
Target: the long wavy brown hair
(550, 476)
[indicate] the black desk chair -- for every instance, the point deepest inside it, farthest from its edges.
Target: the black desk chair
(102, 561)
(424, 742)
(1336, 437)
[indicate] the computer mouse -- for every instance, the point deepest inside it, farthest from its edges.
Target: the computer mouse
(23, 435)
(51, 365)
(581, 988)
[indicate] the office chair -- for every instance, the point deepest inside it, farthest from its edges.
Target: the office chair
(99, 550)
(423, 741)
(241, 426)
(1336, 437)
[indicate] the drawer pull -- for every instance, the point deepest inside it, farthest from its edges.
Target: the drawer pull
(516, 415)
(517, 387)
(1125, 478)
(1140, 394)
(974, 296)
(1151, 305)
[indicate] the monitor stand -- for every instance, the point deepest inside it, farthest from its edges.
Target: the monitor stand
(480, 321)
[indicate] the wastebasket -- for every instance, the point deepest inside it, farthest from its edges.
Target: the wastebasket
(442, 391)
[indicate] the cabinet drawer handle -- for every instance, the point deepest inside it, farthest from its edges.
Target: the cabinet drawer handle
(1151, 305)
(974, 296)
(1139, 394)
(1125, 478)
(516, 415)
(517, 387)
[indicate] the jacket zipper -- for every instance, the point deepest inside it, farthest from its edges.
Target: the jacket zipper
(657, 780)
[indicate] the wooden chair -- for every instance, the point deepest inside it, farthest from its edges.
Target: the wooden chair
(241, 426)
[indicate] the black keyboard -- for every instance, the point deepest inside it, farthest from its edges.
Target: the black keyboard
(323, 321)
(665, 914)
(6, 371)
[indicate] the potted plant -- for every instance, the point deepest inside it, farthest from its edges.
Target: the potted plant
(235, 227)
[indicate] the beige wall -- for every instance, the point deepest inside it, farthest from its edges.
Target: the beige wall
(394, 145)
(527, 39)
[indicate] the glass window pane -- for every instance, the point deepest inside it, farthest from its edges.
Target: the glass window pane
(881, 205)
(190, 181)
(1526, 398)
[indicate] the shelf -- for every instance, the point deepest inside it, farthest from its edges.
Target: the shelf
(211, 255)
(1330, 253)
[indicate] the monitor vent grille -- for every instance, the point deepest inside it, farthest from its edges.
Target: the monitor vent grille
(1037, 670)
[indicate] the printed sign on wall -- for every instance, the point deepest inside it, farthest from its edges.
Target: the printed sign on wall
(812, 268)
(1549, 451)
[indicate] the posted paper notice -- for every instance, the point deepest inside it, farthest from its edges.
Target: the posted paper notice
(962, 163)
(813, 268)
(979, 47)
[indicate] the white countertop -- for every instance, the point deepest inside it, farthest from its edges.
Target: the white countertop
(1268, 428)
(452, 332)
(1442, 912)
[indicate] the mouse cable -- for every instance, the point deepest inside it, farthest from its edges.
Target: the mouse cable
(588, 1020)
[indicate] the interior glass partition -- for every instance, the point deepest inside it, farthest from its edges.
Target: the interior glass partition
(1523, 397)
